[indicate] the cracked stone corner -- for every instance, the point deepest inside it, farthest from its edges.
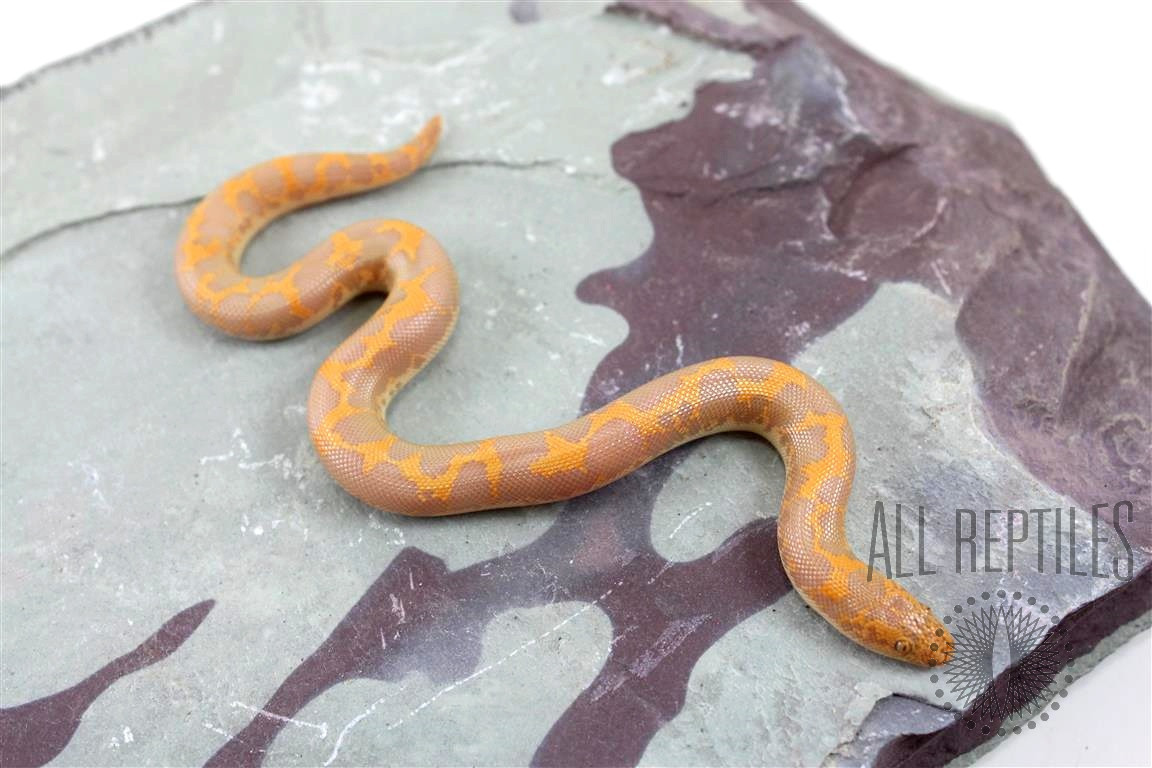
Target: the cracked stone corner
(867, 697)
(858, 746)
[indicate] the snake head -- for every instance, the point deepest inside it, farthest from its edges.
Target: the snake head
(895, 624)
(925, 649)
(917, 637)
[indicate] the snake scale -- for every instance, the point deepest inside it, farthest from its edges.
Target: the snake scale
(351, 391)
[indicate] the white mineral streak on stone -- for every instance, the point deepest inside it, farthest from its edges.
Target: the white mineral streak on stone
(504, 644)
(688, 517)
(599, 342)
(670, 639)
(322, 728)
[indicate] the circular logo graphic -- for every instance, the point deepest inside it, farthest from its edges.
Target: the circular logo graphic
(1008, 665)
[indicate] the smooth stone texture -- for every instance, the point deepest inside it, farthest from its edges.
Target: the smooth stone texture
(182, 123)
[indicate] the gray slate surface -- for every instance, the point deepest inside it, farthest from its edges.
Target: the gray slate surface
(150, 464)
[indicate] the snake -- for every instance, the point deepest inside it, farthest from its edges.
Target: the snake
(350, 393)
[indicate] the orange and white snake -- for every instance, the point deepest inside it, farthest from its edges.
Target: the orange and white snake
(352, 389)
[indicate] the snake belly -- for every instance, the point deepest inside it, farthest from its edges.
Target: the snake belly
(352, 389)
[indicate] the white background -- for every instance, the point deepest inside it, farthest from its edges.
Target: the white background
(1070, 77)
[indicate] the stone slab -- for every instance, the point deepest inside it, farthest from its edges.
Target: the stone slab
(624, 193)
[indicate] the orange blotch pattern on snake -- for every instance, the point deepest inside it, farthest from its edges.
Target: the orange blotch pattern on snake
(352, 389)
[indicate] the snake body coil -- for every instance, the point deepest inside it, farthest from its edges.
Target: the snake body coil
(354, 385)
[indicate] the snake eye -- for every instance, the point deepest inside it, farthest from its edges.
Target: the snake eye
(901, 646)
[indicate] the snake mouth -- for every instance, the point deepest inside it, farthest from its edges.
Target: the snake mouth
(940, 649)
